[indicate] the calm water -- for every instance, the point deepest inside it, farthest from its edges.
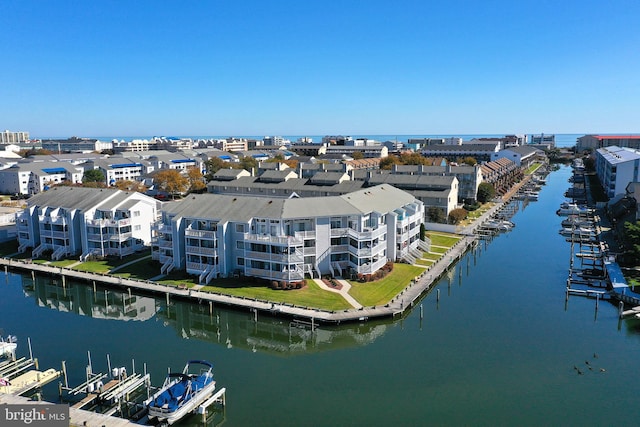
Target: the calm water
(498, 349)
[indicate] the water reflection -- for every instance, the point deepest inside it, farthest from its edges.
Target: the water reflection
(81, 299)
(226, 327)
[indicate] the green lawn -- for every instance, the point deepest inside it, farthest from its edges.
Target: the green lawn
(309, 296)
(63, 262)
(439, 249)
(144, 270)
(425, 262)
(442, 239)
(431, 256)
(105, 265)
(382, 291)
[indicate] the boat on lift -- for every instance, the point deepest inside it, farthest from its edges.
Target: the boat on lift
(8, 346)
(182, 393)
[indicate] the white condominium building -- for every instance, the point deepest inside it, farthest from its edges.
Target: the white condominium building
(72, 221)
(283, 240)
(616, 168)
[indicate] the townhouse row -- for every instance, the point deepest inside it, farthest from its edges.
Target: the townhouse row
(213, 235)
(76, 221)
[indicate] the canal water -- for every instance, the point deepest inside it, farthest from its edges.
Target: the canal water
(500, 347)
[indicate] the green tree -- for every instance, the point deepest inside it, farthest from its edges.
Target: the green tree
(632, 240)
(469, 161)
(435, 214)
(486, 192)
(213, 165)
(93, 175)
(457, 215)
(357, 155)
(248, 163)
(388, 162)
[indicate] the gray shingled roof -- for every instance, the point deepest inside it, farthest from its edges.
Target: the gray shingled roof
(72, 197)
(382, 198)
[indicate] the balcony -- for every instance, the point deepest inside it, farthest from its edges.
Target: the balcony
(167, 244)
(367, 233)
(197, 267)
(339, 232)
(282, 258)
(120, 237)
(200, 233)
(123, 222)
(275, 275)
(162, 227)
(46, 219)
(362, 252)
(200, 250)
(279, 240)
(54, 234)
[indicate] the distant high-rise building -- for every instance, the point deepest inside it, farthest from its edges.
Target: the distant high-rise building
(8, 137)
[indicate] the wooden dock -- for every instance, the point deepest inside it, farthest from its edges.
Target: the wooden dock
(29, 381)
(77, 417)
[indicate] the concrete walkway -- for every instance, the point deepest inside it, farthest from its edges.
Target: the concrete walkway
(344, 291)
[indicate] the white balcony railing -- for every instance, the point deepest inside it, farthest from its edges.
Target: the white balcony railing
(200, 250)
(267, 238)
(200, 233)
(282, 258)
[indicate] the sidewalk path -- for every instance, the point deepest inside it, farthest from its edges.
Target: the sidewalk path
(344, 291)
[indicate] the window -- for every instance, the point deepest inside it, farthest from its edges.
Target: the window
(240, 261)
(239, 228)
(240, 244)
(137, 227)
(136, 213)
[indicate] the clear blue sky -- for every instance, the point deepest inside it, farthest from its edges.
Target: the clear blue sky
(98, 68)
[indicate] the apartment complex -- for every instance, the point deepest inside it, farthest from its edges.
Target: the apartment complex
(278, 239)
(8, 137)
(593, 142)
(616, 167)
(34, 177)
(70, 221)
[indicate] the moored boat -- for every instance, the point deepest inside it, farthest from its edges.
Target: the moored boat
(182, 393)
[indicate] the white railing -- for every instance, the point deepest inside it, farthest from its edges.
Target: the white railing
(162, 227)
(200, 233)
(281, 240)
(163, 243)
(286, 258)
(165, 266)
(120, 237)
(199, 250)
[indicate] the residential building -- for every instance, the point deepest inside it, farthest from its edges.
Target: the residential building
(501, 173)
(616, 167)
(469, 177)
(523, 155)
(368, 151)
(120, 168)
(8, 137)
(71, 221)
(76, 145)
(284, 240)
(480, 151)
(593, 142)
(34, 177)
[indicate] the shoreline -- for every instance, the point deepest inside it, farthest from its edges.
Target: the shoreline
(396, 307)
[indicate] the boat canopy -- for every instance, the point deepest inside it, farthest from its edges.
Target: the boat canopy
(202, 362)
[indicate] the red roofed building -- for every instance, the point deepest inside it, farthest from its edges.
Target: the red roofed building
(593, 142)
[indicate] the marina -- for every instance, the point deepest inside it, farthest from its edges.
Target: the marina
(486, 288)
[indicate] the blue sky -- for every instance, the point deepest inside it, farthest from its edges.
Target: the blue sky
(97, 68)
